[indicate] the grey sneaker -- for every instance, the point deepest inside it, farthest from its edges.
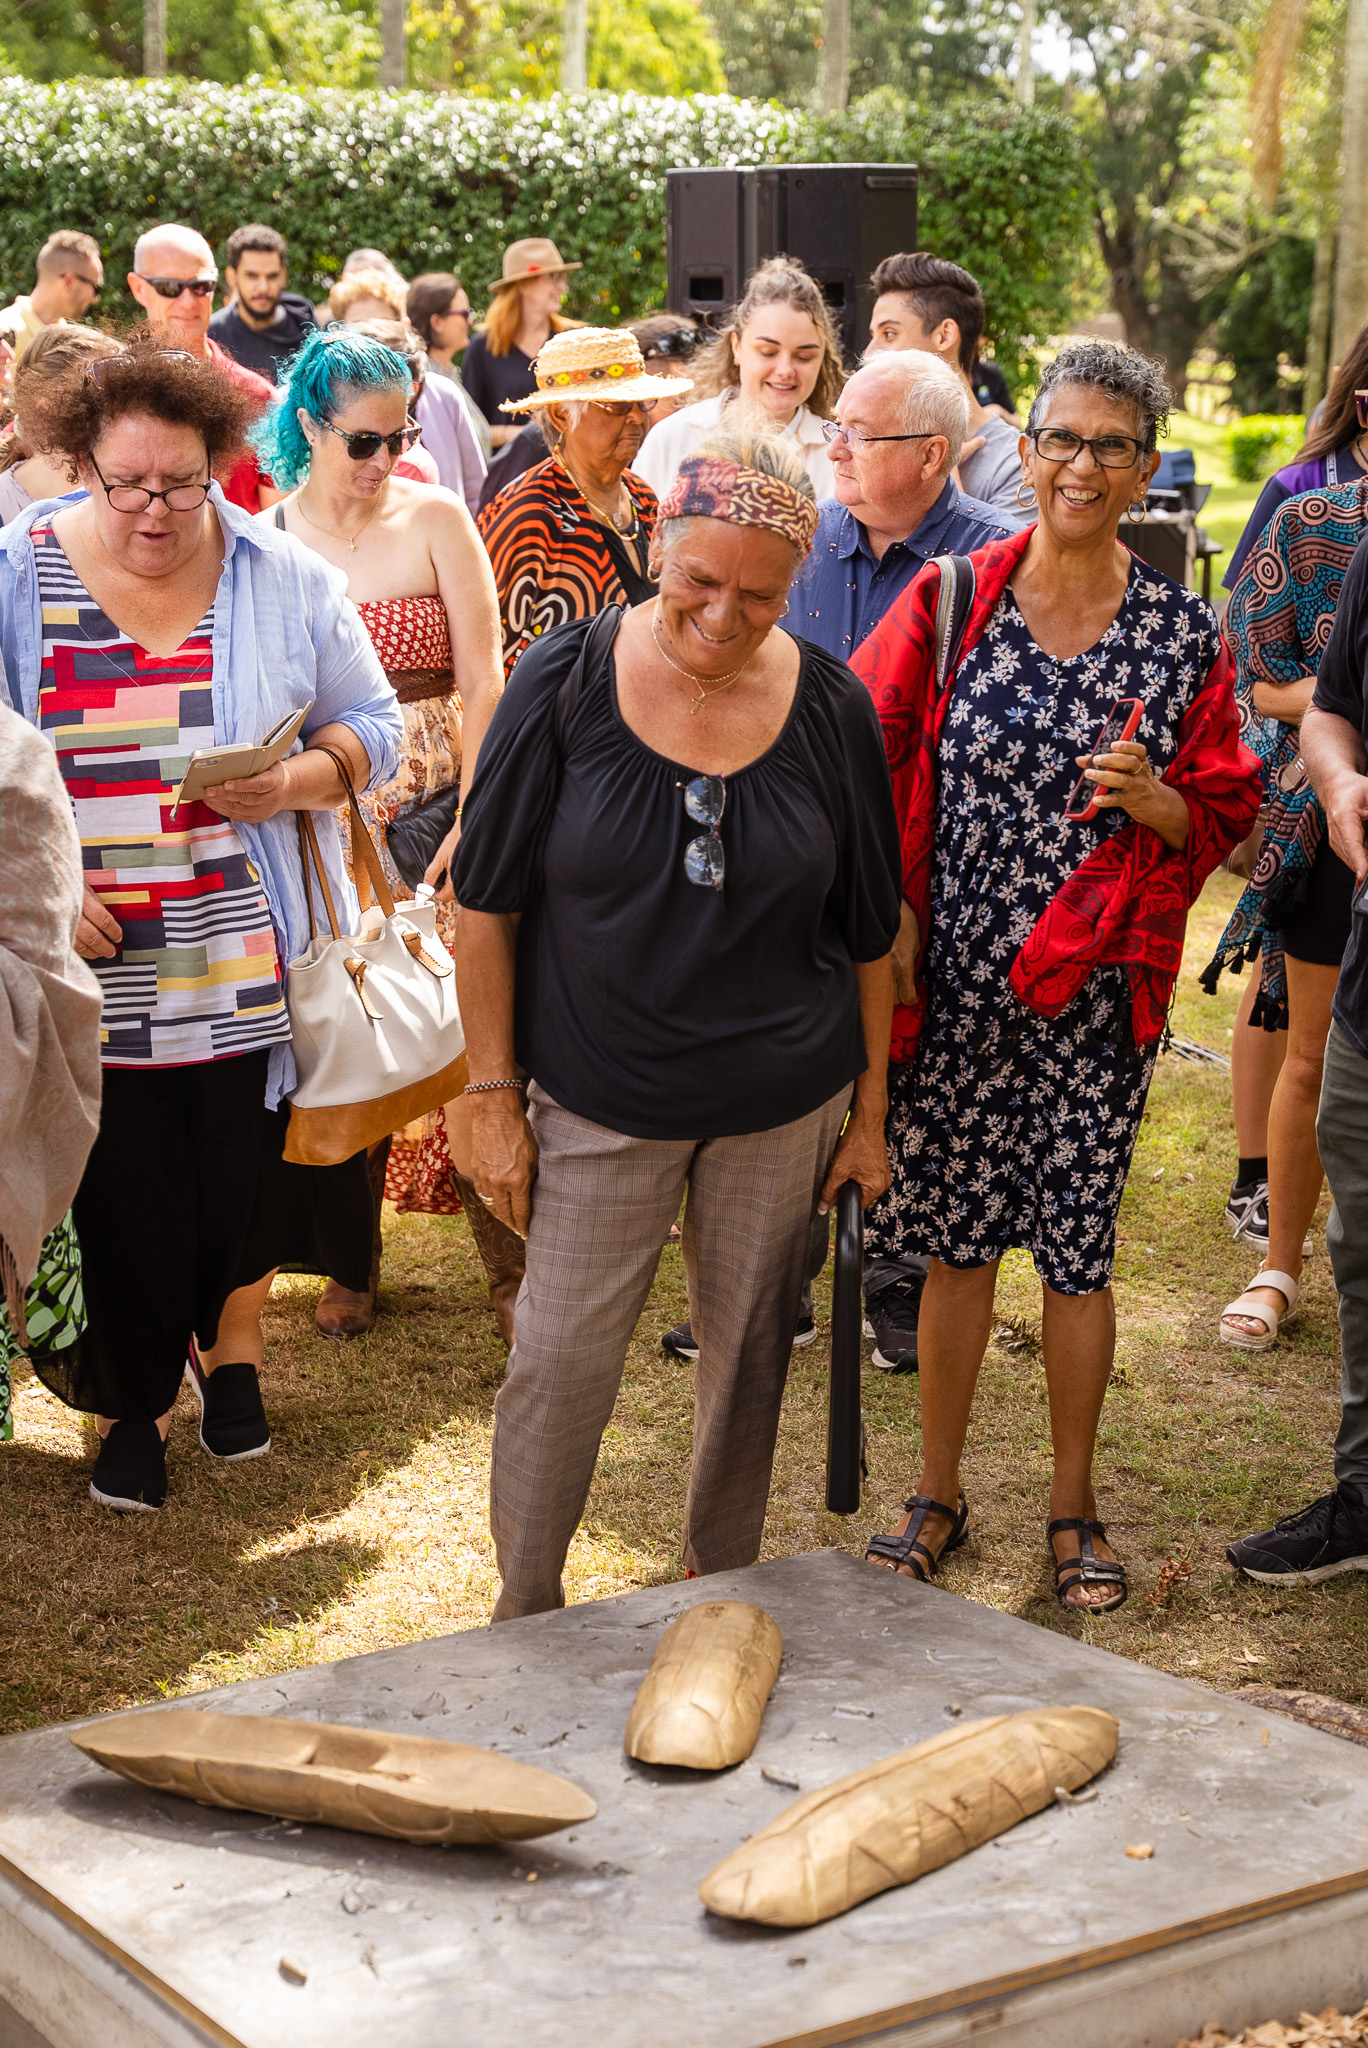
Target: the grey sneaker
(891, 1320)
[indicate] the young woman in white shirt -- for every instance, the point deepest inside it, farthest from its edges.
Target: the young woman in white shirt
(780, 355)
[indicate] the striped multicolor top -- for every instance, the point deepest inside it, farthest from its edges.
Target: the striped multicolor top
(196, 976)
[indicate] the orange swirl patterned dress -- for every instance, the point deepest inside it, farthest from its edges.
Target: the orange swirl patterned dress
(411, 638)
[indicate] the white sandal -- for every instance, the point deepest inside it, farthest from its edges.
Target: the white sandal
(1260, 1312)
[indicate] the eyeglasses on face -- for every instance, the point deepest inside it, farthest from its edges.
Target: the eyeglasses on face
(705, 799)
(456, 313)
(361, 447)
(1062, 444)
(623, 408)
(1361, 408)
(175, 287)
(136, 498)
(856, 438)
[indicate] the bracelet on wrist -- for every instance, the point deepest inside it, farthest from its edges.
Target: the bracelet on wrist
(484, 1087)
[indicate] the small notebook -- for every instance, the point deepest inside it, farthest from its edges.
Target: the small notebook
(209, 766)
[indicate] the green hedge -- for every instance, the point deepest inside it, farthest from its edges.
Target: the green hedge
(1263, 441)
(441, 181)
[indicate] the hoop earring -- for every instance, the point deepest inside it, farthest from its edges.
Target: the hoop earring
(1026, 485)
(1136, 518)
(785, 612)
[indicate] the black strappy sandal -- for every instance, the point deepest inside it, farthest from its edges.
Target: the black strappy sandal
(1087, 1569)
(908, 1548)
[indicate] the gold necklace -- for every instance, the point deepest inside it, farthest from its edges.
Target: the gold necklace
(347, 537)
(608, 518)
(703, 696)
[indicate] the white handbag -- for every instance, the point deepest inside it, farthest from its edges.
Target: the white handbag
(376, 1031)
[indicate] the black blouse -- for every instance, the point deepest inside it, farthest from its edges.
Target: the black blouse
(644, 1002)
(489, 379)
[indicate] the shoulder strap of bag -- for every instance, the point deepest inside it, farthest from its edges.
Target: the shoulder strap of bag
(953, 606)
(593, 649)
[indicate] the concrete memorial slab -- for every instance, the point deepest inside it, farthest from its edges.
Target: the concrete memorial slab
(132, 1917)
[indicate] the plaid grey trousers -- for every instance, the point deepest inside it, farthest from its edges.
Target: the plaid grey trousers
(602, 1206)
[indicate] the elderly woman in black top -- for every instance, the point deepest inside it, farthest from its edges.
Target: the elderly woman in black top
(680, 885)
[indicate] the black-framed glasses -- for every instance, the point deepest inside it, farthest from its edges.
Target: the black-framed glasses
(682, 342)
(361, 447)
(705, 799)
(856, 438)
(1108, 451)
(1361, 408)
(180, 497)
(172, 287)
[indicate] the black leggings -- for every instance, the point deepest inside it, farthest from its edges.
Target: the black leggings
(186, 1197)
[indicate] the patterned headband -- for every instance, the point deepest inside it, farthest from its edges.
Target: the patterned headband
(710, 487)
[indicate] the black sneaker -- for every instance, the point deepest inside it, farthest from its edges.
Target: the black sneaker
(679, 1342)
(1246, 1211)
(130, 1471)
(1329, 1537)
(233, 1422)
(891, 1320)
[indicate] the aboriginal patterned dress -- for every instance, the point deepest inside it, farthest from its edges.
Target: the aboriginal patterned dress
(1012, 1129)
(554, 561)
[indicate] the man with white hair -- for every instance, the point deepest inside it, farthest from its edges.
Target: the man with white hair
(900, 423)
(173, 279)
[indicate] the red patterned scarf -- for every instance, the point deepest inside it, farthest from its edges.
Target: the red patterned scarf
(1127, 903)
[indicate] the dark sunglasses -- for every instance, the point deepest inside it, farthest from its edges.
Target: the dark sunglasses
(173, 287)
(705, 799)
(683, 342)
(1361, 408)
(361, 447)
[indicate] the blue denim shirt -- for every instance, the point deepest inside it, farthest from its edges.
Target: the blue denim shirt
(843, 589)
(285, 634)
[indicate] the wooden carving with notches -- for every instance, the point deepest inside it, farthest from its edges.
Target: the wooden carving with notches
(703, 1699)
(406, 1786)
(913, 1812)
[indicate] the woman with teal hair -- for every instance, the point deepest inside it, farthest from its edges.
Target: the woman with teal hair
(421, 581)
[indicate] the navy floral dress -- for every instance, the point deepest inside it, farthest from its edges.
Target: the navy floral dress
(1011, 1129)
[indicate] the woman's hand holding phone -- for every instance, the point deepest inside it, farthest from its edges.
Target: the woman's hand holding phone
(1125, 781)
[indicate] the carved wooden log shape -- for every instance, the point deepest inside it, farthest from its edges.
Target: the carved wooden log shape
(407, 1786)
(702, 1701)
(896, 1820)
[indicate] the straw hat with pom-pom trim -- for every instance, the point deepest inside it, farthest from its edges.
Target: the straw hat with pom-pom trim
(597, 363)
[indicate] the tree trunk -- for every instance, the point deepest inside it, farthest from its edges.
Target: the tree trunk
(575, 47)
(1318, 326)
(836, 57)
(154, 39)
(393, 43)
(1025, 68)
(1351, 270)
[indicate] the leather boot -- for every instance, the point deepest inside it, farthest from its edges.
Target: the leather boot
(502, 1250)
(342, 1312)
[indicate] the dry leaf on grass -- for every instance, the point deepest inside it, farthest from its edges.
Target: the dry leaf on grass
(1329, 2029)
(1173, 1573)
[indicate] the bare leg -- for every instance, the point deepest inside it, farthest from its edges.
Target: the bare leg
(239, 1340)
(953, 1327)
(1294, 1164)
(1256, 1058)
(1080, 1344)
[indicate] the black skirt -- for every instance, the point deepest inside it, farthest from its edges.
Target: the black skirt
(186, 1196)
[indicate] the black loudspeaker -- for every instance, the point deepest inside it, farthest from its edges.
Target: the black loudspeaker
(839, 220)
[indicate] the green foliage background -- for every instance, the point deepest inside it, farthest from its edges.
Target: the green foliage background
(444, 181)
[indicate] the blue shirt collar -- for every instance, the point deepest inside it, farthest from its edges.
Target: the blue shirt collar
(922, 539)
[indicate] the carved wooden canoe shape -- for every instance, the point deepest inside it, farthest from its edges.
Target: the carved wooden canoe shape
(703, 1699)
(896, 1820)
(407, 1786)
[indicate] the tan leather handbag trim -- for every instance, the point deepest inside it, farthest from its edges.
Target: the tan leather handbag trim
(325, 1137)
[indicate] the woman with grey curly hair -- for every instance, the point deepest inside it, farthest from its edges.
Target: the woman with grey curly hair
(1044, 909)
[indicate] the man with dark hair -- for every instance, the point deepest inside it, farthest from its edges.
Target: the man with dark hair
(927, 303)
(263, 323)
(70, 279)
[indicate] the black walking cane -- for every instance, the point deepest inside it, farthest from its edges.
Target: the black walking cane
(845, 1432)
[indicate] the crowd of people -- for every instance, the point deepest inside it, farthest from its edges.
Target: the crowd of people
(737, 712)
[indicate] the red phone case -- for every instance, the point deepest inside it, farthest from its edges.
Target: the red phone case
(1134, 711)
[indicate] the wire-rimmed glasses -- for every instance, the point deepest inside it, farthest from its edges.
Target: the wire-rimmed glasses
(705, 799)
(856, 438)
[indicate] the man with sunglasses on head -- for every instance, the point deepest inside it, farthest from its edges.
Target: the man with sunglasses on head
(174, 278)
(70, 280)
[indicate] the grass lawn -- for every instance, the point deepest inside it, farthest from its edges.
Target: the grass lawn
(366, 1526)
(1231, 501)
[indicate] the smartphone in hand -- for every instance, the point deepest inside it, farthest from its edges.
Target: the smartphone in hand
(1121, 723)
